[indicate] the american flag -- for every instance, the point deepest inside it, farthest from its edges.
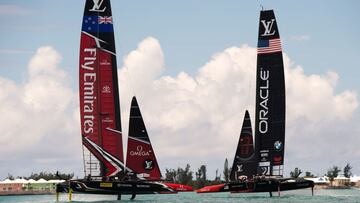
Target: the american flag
(105, 19)
(269, 46)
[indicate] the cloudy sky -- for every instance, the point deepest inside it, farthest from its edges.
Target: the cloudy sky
(191, 65)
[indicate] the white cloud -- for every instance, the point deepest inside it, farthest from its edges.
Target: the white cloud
(198, 118)
(300, 37)
(36, 116)
(314, 97)
(190, 119)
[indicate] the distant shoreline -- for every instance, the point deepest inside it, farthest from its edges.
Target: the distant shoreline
(13, 193)
(48, 192)
(328, 187)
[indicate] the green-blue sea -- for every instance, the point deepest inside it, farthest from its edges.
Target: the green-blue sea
(321, 195)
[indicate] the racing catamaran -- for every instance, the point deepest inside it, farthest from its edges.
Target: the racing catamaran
(104, 168)
(267, 176)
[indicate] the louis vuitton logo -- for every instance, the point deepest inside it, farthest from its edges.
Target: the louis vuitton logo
(268, 25)
(148, 165)
(240, 168)
(97, 6)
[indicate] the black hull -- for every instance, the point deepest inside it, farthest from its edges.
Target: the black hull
(268, 185)
(114, 187)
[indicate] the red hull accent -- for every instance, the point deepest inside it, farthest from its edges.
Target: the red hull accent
(179, 187)
(211, 188)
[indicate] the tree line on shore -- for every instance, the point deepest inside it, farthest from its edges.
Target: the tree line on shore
(43, 175)
(186, 175)
(332, 172)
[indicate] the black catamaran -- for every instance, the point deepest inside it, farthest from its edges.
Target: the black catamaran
(262, 170)
(105, 171)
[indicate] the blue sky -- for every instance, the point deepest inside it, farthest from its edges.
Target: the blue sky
(319, 36)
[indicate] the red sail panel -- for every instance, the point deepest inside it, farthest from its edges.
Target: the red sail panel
(110, 134)
(88, 83)
(140, 154)
(99, 94)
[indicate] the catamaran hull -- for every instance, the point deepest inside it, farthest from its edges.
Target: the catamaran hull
(179, 187)
(269, 186)
(114, 187)
(259, 186)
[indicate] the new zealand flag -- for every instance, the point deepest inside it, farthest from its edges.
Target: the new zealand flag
(97, 24)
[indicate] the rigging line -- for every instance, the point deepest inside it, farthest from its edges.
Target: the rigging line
(130, 81)
(132, 87)
(250, 97)
(248, 94)
(262, 7)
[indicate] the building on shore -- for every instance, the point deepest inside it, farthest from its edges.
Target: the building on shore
(339, 182)
(23, 186)
(355, 180)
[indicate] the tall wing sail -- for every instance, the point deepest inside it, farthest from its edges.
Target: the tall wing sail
(140, 154)
(99, 94)
(270, 98)
(245, 162)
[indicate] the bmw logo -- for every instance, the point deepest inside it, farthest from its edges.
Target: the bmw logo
(278, 145)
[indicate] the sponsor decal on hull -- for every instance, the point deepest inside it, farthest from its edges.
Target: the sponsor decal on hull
(106, 185)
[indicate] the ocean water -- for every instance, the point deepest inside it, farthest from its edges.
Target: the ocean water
(321, 195)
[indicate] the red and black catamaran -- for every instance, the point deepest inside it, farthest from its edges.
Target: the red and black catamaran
(104, 167)
(260, 168)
